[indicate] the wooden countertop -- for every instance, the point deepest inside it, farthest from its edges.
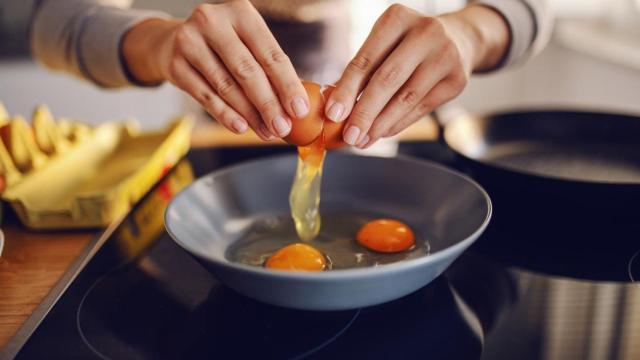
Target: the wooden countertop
(30, 265)
(33, 262)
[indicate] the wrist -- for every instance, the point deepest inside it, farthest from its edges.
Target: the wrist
(486, 34)
(145, 46)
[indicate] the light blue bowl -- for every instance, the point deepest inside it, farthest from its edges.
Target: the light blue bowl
(444, 206)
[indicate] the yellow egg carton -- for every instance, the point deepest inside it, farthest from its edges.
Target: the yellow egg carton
(64, 174)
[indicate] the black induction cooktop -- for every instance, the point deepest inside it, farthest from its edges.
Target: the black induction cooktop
(513, 295)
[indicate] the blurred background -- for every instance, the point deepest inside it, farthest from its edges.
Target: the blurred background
(592, 61)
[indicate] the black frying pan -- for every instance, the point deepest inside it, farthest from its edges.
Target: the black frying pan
(553, 170)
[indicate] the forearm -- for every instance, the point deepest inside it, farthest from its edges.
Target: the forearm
(83, 37)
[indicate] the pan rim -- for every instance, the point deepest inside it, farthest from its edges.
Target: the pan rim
(530, 173)
(339, 274)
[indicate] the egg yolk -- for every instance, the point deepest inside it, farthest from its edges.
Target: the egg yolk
(297, 257)
(385, 235)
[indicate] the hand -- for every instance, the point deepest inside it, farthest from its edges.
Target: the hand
(411, 64)
(226, 58)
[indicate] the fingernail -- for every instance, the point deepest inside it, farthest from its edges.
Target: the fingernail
(267, 134)
(351, 135)
(239, 125)
(363, 142)
(300, 107)
(281, 125)
(335, 112)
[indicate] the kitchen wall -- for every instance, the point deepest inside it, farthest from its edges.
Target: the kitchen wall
(24, 83)
(559, 77)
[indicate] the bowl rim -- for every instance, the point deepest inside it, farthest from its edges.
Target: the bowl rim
(365, 272)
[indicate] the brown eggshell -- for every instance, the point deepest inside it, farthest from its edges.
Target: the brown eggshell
(307, 129)
(332, 130)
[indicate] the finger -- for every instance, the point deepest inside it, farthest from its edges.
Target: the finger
(198, 54)
(276, 64)
(387, 32)
(248, 73)
(426, 76)
(268, 136)
(369, 143)
(444, 91)
(391, 75)
(361, 144)
(189, 80)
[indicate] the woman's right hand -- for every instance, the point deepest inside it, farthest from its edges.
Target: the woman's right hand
(226, 58)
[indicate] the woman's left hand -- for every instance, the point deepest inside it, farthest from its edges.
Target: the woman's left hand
(409, 65)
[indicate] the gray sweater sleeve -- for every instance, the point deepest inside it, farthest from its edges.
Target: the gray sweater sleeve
(83, 37)
(530, 23)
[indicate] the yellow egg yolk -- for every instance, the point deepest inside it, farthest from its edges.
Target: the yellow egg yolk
(297, 257)
(386, 235)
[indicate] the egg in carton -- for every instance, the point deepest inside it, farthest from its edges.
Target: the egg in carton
(25, 148)
(47, 133)
(64, 174)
